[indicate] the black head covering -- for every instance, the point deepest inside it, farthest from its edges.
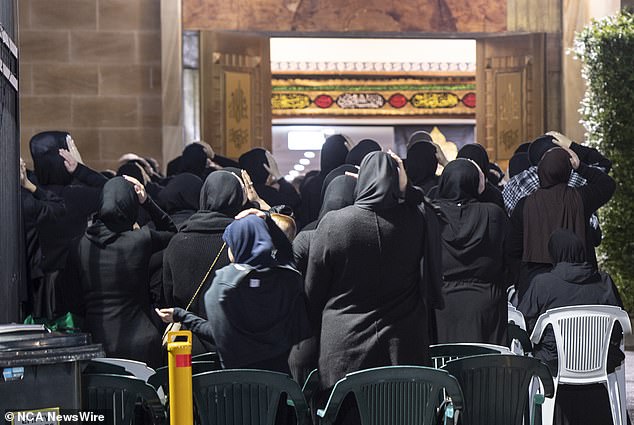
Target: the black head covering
(174, 166)
(539, 147)
(459, 182)
(518, 163)
(253, 161)
(333, 153)
(421, 163)
(339, 171)
(522, 148)
(565, 246)
(194, 160)
(360, 150)
(119, 206)
(419, 136)
(477, 154)
(48, 164)
(182, 193)
(494, 178)
(132, 169)
(222, 192)
(554, 168)
(221, 199)
(377, 186)
(250, 242)
(339, 194)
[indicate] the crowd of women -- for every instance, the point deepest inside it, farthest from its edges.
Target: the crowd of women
(389, 257)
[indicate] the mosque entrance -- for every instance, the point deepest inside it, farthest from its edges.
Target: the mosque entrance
(288, 93)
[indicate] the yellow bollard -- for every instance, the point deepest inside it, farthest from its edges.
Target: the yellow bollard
(180, 378)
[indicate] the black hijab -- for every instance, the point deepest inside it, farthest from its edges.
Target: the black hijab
(339, 194)
(459, 182)
(253, 161)
(566, 247)
(194, 160)
(553, 206)
(539, 147)
(48, 164)
(470, 231)
(333, 153)
(174, 166)
(477, 154)
(518, 163)
(421, 164)
(221, 199)
(377, 186)
(360, 150)
(118, 211)
(182, 193)
(132, 169)
(250, 242)
(339, 171)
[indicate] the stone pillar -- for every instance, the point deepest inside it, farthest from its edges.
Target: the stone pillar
(577, 14)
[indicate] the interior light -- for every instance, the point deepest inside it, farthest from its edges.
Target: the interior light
(289, 178)
(293, 173)
(304, 161)
(299, 167)
(309, 154)
(303, 140)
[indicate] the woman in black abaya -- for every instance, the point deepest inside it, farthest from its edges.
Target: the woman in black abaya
(112, 265)
(363, 282)
(421, 164)
(180, 197)
(553, 206)
(478, 154)
(333, 154)
(572, 281)
(193, 250)
(472, 235)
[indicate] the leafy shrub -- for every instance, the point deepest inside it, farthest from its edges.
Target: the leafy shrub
(606, 48)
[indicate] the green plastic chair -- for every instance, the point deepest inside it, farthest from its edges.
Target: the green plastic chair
(311, 385)
(160, 379)
(246, 397)
(496, 388)
(211, 356)
(395, 395)
(118, 395)
(443, 353)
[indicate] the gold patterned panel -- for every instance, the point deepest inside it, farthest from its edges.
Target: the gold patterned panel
(238, 112)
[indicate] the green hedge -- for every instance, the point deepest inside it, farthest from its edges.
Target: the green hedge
(606, 48)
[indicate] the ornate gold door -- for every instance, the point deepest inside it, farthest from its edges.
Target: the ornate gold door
(510, 84)
(235, 87)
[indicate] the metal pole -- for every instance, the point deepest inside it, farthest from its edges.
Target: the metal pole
(180, 378)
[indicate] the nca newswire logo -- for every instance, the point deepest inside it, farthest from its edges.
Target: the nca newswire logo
(53, 417)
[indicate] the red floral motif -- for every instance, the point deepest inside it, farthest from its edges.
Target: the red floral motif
(397, 100)
(323, 101)
(469, 100)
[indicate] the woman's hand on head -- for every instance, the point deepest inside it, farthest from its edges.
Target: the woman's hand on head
(574, 158)
(251, 211)
(440, 155)
(402, 175)
(70, 162)
(139, 189)
(166, 314)
(72, 148)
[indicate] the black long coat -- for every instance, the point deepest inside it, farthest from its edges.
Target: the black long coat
(363, 282)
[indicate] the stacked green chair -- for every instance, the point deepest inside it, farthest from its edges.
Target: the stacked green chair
(496, 388)
(246, 397)
(118, 395)
(160, 379)
(395, 395)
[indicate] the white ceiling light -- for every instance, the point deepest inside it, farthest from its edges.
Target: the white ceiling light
(304, 161)
(303, 140)
(293, 173)
(309, 154)
(299, 167)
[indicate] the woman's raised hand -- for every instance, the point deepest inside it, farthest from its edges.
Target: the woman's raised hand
(402, 175)
(166, 314)
(139, 189)
(70, 162)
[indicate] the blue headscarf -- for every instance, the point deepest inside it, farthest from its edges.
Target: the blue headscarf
(250, 242)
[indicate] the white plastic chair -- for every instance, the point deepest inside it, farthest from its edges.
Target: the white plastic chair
(582, 334)
(516, 317)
